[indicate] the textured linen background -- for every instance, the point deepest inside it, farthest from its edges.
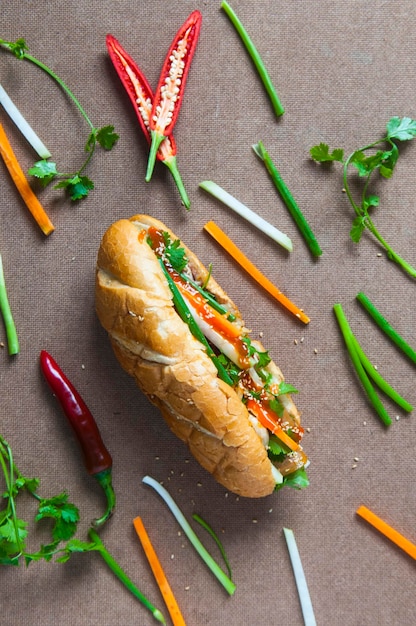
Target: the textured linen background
(342, 69)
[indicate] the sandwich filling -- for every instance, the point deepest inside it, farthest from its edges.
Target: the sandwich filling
(240, 360)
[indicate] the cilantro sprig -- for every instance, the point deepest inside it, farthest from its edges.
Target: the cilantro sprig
(76, 184)
(14, 530)
(381, 156)
(64, 517)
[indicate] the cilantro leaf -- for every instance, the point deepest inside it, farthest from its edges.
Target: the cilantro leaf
(44, 170)
(286, 388)
(64, 513)
(297, 480)
(106, 137)
(174, 253)
(401, 128)
(321, 154)
(358, 227)
(77, 186)
(277, 449)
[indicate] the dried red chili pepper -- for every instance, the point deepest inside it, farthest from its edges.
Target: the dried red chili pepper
(98, 461)
(141, 96)
(169, 92)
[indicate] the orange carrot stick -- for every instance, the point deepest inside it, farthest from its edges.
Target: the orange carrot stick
(268, 422)
(158, 573)
(230, 247)
(387, 531)
(22, 184)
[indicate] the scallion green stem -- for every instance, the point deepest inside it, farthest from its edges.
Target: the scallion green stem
(290, 202)
(185, 314)
(122, 576)
(11, 333)
(386, 327)
(365, 381)
(184, 524)
(379, 380)
(256, 58)
(215, 537)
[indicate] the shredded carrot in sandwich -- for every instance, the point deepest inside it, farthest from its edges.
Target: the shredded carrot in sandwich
(158, 573)
(230, 247)
(387, 531)
(268, 422)
(22, 184)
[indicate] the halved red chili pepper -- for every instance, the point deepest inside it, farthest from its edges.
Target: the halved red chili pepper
(169, 92)
(141, 97)
(97, 458)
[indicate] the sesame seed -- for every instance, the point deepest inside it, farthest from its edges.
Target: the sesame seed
(354, 466)
(356, 459)
(295, 342)
(315, 351)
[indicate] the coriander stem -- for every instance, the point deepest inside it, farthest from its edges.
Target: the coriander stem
(365, 381)
(256, 58)
(289, 200)
(11, 333)
(61, 83)
(361, 212)
(386, 327)
(122, 576)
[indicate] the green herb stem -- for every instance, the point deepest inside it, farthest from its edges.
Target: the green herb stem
(256, 58)
(11, 333)
(386, 326)
(365, 381)
(122, 576)
(290, 202)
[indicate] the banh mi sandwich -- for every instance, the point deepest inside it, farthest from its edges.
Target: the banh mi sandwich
(182, 339)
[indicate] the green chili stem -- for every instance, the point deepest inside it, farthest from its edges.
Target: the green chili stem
(122, 576)
(11, 333)
(255, 57)
(386, 327)
(104, 479)
(289, 200)
(157, 139)
(173, 168)
(368, 387)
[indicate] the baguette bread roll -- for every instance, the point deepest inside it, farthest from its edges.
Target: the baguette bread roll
(156, 347)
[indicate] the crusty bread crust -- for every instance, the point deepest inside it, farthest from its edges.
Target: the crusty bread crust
(152, 343)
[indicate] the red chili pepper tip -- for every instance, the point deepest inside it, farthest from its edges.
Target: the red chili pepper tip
(169, 92)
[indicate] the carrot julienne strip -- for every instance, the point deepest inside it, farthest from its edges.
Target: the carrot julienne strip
(268, 422)
(230, 247)
(22, 185)
(386, 530)
(159, 574)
